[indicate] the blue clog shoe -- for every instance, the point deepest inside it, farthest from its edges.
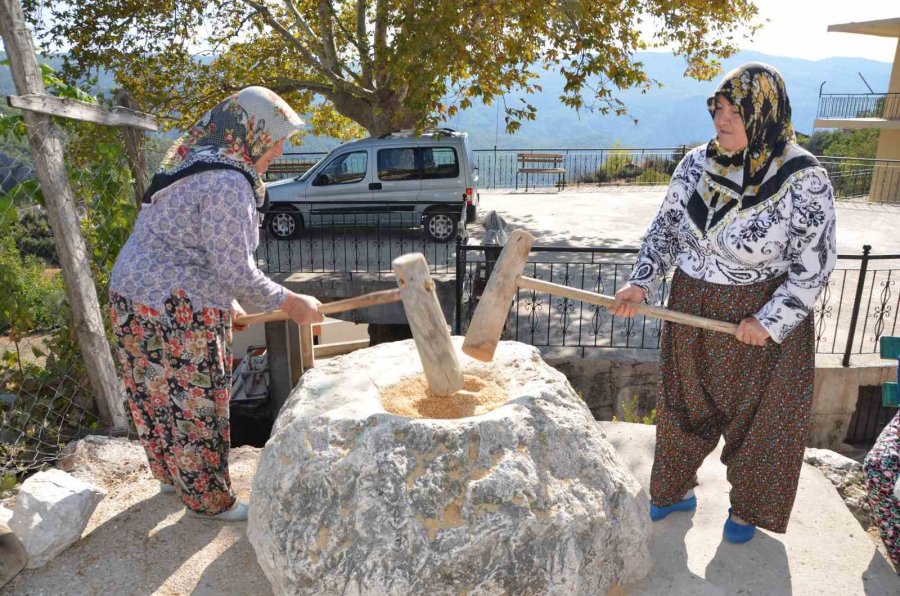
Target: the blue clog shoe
(657, 513)
(738, 533)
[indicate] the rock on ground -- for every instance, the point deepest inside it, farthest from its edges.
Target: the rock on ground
(13, 556)
(140, 541)
(526, 499)
(52, 509)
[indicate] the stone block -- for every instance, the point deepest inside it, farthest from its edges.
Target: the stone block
(52, 510)
(528, 498)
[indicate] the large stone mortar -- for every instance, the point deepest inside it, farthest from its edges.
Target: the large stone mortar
(526, 499)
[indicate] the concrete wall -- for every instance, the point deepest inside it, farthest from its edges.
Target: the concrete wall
(836, 393)
(619, 376)
(605, 383)
(886, 180)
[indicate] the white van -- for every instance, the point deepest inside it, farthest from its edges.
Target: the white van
(395, 180)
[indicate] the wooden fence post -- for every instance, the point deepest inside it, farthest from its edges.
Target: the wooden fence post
(47, 154)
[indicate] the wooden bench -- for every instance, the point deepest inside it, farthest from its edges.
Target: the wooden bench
(890, 350)
(288, 168)
(541, 163)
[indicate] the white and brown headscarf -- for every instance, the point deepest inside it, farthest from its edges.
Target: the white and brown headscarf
(231, 136)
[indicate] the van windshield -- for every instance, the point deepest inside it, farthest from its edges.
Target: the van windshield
(315, 166)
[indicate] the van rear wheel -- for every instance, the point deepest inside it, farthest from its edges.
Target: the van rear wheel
(284, 225)
(440, 227)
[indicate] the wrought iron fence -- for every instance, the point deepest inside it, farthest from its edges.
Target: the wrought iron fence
(497, 168)
(363, 242)
(859, 105)
(856, 308)
(854, 177)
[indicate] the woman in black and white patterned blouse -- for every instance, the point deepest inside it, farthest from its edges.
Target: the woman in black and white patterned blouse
(748, 222)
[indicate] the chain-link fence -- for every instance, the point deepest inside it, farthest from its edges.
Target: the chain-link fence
(45, 396)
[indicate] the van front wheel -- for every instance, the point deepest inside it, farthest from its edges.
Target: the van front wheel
(440, 227)
(284, 225)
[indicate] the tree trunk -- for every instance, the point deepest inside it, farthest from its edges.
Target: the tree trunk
(386, 116)
(134, 147)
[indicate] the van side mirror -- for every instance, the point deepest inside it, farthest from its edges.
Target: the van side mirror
(321, 180)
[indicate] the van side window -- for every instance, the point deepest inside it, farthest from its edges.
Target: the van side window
(397, 164)
(439, 162)
(343, 169)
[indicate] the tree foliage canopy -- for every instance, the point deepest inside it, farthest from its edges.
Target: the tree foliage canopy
(383, 64)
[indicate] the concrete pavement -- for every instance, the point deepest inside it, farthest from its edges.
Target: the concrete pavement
(619, 216)
(824, 552)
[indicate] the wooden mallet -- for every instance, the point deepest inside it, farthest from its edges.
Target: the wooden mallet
(490, 314)
(423, 311)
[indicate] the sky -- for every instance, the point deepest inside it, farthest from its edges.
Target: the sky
(799, 29)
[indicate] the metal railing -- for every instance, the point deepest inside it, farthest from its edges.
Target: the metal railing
(355, 243)
(610, 166)
(851, 177)
(859, 105)
(855, 177)
(855, 309)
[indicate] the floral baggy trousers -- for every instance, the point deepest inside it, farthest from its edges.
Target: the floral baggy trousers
(176, 372)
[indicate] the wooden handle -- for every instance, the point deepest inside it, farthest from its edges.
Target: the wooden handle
(657, 312)
(370, 299)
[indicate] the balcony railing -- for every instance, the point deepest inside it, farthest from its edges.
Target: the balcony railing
(859, 105)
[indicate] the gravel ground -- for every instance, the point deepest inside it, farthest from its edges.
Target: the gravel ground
(140, 542)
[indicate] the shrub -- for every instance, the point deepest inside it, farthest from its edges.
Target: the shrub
(34, 296)
(630, 413)
(652, 177)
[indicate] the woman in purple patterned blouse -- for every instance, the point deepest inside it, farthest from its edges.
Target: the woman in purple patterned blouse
(176, 286)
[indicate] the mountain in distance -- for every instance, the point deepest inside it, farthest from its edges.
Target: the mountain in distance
(669, 116)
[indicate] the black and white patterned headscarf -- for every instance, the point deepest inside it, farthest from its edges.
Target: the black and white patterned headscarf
(746, 179)
(231, 136)
(758, 92)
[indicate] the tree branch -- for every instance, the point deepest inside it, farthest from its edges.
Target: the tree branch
(380, 50)
(336, 80)
(304, 26)
(362, 42)
(326, 12)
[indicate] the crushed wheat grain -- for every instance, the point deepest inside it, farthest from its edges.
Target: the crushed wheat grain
(412, 398)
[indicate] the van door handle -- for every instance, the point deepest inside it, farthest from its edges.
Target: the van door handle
(374, 185)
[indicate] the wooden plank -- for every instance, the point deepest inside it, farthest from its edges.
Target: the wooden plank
(539, 156)
(47, 155)
(79, 110)
(339, 348)
(134, 148)
(283, 348)
(307, 351)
